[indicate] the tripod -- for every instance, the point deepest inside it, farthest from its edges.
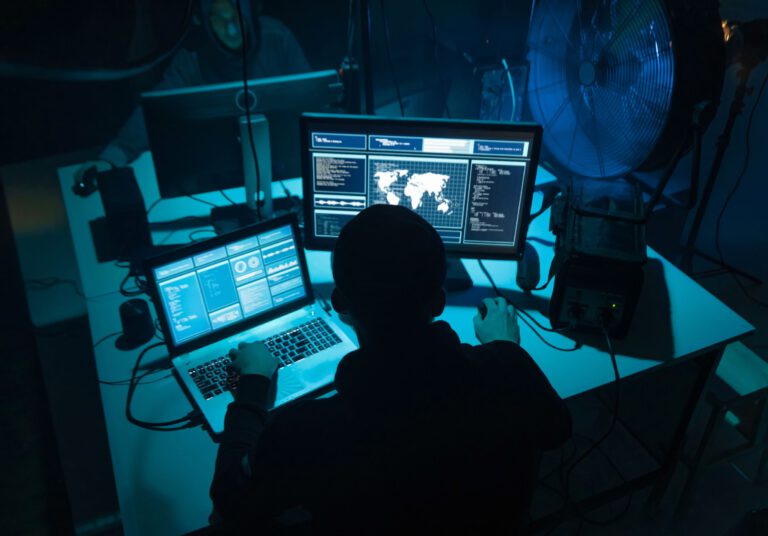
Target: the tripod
(689, 250)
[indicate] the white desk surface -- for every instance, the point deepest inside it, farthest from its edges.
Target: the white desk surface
(163, 478)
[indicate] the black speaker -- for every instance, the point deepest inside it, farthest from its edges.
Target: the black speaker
(125, 211)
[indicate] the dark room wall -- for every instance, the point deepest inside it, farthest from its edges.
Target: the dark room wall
(744, 227)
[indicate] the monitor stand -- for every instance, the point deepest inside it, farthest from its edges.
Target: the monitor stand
(235, 216)
(457, 278)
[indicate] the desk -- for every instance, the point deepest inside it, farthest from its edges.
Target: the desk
(163, 478)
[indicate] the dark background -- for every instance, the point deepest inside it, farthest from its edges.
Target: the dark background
(50, 117)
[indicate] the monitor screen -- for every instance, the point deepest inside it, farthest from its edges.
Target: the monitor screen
(194, 132)
(220, 285)
(471, 180)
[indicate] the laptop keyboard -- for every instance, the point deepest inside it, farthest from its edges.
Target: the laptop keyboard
(218, 375)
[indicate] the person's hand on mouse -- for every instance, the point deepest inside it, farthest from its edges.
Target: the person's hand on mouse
(254, 358)
(100, 165)
(499, 324)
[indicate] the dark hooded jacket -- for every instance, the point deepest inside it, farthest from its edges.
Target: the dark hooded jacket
(272, 51)
(425, 435)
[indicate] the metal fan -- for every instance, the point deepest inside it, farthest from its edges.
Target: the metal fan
(615, 82)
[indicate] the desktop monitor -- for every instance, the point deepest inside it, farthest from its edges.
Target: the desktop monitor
(472, 180)
(194, 133)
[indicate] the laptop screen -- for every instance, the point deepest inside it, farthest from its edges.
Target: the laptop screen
(232, 283)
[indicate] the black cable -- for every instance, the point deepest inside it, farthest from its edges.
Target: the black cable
(350, 27)
(247, 106)
(229, 199)
(440, 78)
(153, 205)
(193, 198)
(614, 417)
(132, 69)
(119, 383)
(128, 293)
(388, 48)
(105, 337)
(186, 421)
(48, 282)
(732, 193)
(520, 310)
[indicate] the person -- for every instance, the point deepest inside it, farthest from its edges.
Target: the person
(271, 50)
(425, 433)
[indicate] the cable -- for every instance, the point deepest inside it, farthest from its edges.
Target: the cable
(229, 199)
(247, 106)
(520, 310)
(440, 78)
(732, 193)
(186, 422)
(41, 72)
(118, 383)
(105, 337)
(48, 282)
(614, 417)
(546, 283)
(387, 46)
(193, 198)
(350, 27)
(153, 205)
(511, 89)
(138, 291)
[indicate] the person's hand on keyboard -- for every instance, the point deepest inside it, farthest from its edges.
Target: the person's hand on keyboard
(254, 358)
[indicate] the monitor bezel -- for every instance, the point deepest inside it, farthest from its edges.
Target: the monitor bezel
(309, 120)
(150, 264)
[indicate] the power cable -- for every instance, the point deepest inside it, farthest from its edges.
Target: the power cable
(614, 417)
(732, 193)
(187, 421)
(229, 199)
(435, 47)
(247, 106)
(388, 47)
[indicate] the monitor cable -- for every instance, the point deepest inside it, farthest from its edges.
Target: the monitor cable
(388, 48)
(229, 199)
(438, 65)
(247, 106)
(190, 420)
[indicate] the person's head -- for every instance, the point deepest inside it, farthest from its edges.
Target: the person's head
(389, 269)
(225, 24)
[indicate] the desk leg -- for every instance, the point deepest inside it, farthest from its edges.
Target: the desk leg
(707, 364)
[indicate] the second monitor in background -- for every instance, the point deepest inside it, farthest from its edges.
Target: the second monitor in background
(472, 180)
(199, 138)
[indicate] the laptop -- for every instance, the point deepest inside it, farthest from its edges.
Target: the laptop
(248, 285)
